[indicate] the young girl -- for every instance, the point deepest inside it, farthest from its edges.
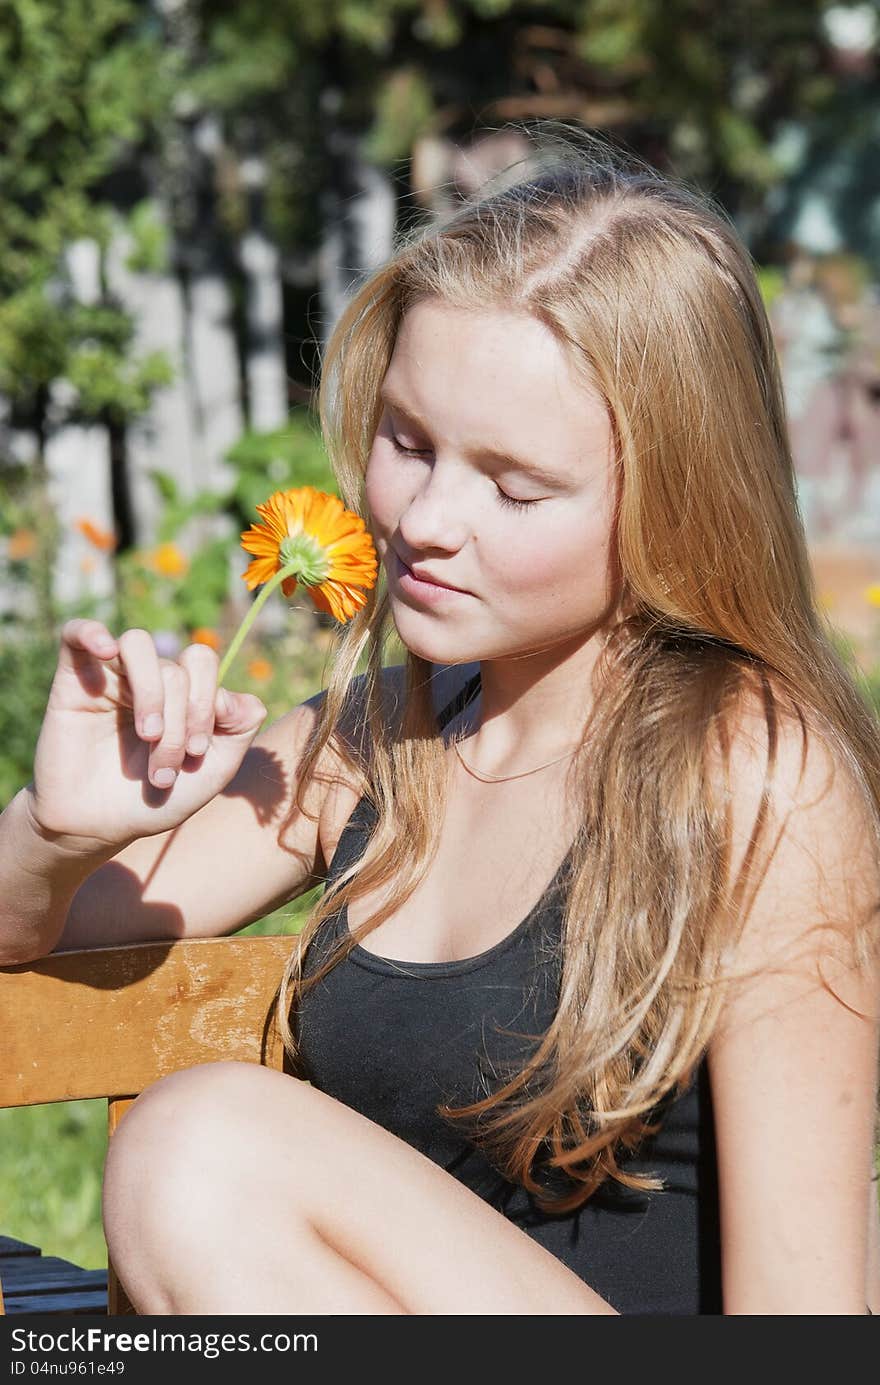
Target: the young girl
(585, 1021)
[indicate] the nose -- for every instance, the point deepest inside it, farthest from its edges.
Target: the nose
(436, 515)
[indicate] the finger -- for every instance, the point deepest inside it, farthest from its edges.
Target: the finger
(236, 712)
(82, 634)
(166, 756)
(139, 661)
(201, 663)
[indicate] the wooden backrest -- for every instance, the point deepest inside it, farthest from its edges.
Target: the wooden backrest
(107, 1022)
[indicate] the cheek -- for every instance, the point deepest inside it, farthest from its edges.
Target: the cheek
(379, 489)
(563, 565)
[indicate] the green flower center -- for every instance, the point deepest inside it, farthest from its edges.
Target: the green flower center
(308, 560)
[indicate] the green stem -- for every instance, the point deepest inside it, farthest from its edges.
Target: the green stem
(256, 606)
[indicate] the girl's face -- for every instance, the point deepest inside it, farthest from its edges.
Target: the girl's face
(492, 470)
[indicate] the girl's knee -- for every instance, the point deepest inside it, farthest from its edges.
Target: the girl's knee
(188, 1139)
(178, 1170)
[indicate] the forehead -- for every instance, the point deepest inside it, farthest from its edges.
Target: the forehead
(492, 371)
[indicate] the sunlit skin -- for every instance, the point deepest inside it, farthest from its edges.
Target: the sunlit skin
(542, 580)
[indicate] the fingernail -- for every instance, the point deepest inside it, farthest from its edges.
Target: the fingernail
(164, 778)
(197, 745)
(153, 724)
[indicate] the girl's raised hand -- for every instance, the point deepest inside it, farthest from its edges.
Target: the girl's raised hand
(133, 744)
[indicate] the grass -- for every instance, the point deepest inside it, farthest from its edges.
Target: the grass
(50, 1178)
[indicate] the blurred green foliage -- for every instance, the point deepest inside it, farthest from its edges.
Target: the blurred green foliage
(82, 84)
(265, 462)
(27, 665)
(153, 596)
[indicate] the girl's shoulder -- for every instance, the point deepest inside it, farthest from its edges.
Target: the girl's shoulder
(769, 742)
(805, 848)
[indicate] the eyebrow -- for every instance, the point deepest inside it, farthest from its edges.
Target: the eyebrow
(505, 458)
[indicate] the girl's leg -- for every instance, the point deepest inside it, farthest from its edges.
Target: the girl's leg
(232, 1188)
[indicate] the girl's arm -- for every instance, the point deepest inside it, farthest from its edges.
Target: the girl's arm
(239, 857)
(793, 1066)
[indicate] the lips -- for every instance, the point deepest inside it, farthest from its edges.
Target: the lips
(435, 581)
(423, 575)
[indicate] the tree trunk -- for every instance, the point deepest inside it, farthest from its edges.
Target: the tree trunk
(264, 311)
(358, 207)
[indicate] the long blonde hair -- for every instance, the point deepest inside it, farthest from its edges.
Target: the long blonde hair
(646, 283)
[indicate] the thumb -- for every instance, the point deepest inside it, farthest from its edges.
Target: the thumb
(238, 712)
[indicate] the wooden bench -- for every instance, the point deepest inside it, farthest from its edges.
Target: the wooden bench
(106, 1022)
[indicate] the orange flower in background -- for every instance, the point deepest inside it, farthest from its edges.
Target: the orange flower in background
(22, 545)
(328, 546)
(872, 594)
(203, 634)
(168, 560)
(100, 538)
(260, 670)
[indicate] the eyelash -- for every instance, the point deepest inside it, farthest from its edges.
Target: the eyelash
(503, 498)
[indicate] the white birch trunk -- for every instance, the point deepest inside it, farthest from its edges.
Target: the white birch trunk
(163, 439)
(358, 229)
(265, 366)
(77, 461)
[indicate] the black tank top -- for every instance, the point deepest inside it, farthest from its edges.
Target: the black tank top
(392, 1039)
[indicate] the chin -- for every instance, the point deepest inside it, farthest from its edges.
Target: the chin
(434, 646)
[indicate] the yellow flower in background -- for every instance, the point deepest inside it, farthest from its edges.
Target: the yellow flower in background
(872, 594)
(326, 547)
(21, 546)
(203, 634)
(260, 670)
(168, 560)
(308, 537)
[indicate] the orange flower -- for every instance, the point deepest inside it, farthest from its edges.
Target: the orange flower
(329, 546)
(168, 560)
(100, 538)
(203, 634)
(260, 670)
(872, 594)
(22, 545)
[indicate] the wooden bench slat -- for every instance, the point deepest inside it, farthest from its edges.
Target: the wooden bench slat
(109, 1021)
(75, 1301)
(9, 1246)
(32, 1272)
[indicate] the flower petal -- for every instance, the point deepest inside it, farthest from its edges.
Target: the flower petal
(353, 563)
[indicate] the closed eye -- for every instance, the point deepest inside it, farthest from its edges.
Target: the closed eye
(510, 501)
(410, 451)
